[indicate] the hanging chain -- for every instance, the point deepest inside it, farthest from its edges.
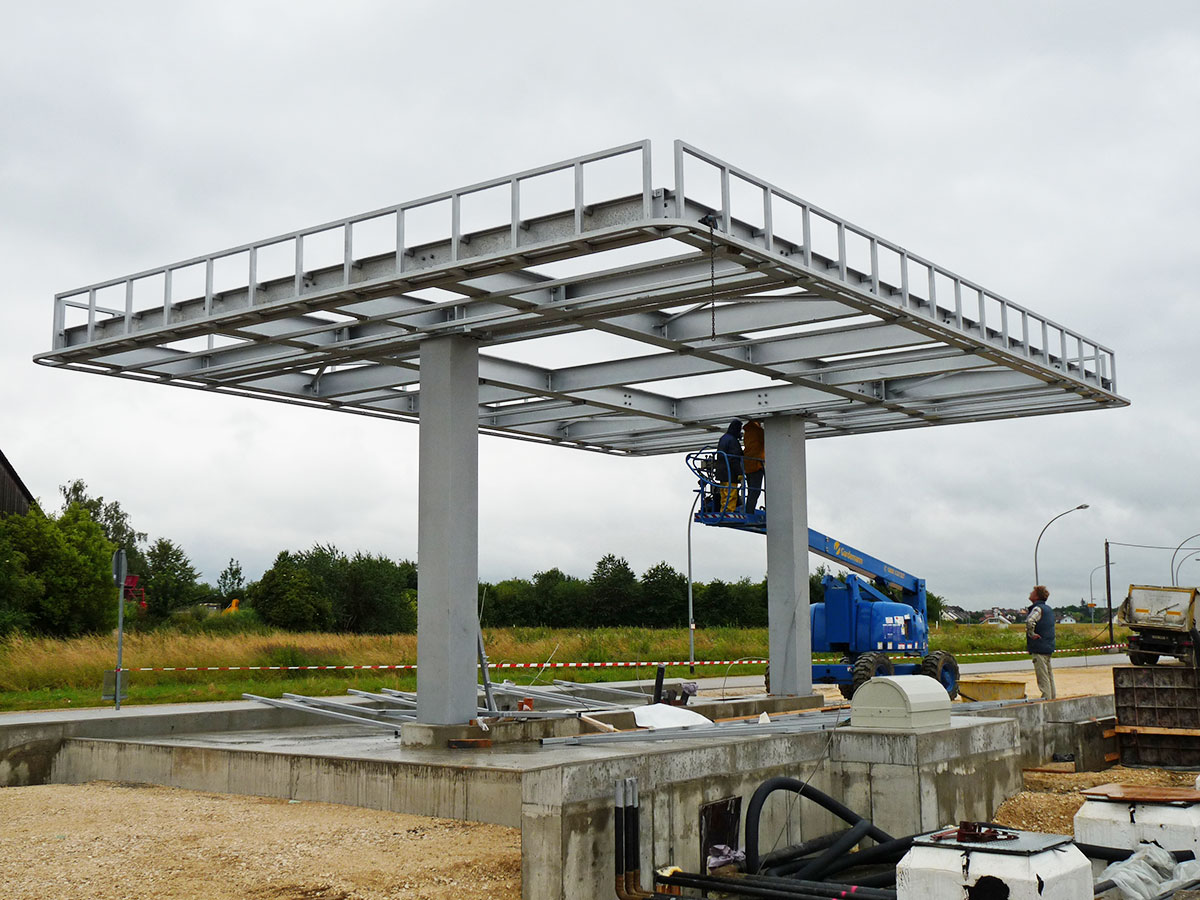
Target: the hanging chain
(712, 278)
(711, 220)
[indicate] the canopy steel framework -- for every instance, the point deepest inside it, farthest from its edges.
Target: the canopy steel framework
(778, 308)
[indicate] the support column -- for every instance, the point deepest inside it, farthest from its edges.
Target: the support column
(448, 531)
(787, 557)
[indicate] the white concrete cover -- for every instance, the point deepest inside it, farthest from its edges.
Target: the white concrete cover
(900, 701)
(1111, 824)
(1062, 873)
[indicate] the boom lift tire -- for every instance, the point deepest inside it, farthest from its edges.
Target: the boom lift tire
(942, 667)
(866, 667)
(1142, 658)
(846, 689)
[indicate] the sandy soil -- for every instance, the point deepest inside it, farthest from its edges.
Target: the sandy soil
(114, 841)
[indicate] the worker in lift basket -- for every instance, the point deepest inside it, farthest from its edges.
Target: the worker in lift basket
(1039, 640)
(752, 462)
(729, 466)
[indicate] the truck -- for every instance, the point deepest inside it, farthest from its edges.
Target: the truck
(876, 612)
(1163, 623)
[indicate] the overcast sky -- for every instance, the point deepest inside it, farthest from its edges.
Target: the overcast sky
(1049, 151)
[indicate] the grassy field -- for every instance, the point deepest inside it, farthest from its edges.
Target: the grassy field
(39, 673)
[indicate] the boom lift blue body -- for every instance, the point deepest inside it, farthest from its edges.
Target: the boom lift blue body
(876, 612)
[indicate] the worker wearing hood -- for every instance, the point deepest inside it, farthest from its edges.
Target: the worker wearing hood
(729, 466)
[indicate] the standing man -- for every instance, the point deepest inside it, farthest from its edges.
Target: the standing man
(752, 462)
(1039, 640)
(729, 466)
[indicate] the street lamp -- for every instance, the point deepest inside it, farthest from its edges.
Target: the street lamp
(1092, 587)
(1036, 579)
(1175, 571)
(1176, 553)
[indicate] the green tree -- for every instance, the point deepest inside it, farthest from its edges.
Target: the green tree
(509, 603)
(711, 603)
(616, 594)
(231, 582)
(748, 604)
(934, 604)
(171, 581)
(71, 560)
(408, 569)
(287, 596)
(664, 593)
(112, 519)
(555, 598)
(570, 599)
(19, 590)
(376, 598)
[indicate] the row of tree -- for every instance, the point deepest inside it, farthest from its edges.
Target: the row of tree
(56, 579)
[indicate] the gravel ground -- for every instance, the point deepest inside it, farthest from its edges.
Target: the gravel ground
(129, 842)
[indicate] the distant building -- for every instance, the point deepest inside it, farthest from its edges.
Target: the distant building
(14, 496)
(996, 617)
(955, 614)
(1066, 619)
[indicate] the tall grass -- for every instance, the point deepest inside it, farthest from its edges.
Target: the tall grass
(45, 672)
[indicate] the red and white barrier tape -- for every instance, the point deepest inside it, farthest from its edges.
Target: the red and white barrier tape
(574, 665)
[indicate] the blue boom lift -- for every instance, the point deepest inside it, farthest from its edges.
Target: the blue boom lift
(878, 610)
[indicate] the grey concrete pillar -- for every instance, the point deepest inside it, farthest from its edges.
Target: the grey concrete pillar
(448, 531)
(787, 556)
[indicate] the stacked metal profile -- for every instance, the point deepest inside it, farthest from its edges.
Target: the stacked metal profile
(1158, 715)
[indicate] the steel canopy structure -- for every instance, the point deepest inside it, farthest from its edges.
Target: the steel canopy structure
(580, 305)
(722, 295)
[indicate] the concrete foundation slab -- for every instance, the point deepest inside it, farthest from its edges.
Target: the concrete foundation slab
(560, 797)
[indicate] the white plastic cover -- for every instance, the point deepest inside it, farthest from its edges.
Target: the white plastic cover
(660, 715)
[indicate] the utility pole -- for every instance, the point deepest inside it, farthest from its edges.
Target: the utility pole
(1108, 590)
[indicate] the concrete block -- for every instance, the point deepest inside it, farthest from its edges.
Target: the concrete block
(895, 799)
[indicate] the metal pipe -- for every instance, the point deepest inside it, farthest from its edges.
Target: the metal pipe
(633, 843)
(783, 782)
(619, 841)
(488, 696)
(658, 683)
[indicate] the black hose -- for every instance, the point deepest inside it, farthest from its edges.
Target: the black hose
(840, 848)
(825, 888)
(889, 852)
(884, 879)
(1116, 854)
(778, 889)
(1167, 895)
(796, 851)
(784, 783)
